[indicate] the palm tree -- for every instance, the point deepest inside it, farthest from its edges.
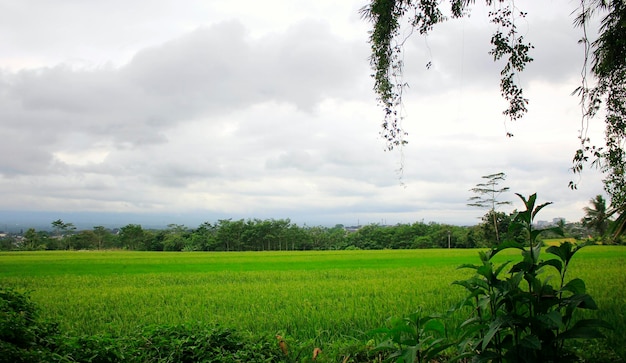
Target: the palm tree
(596, 216)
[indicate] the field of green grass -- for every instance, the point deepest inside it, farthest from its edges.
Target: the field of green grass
(322, 296)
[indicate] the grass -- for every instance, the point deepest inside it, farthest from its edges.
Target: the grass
(557, 241)
(323, 296)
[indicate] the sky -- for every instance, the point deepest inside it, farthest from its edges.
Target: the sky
(168, 111)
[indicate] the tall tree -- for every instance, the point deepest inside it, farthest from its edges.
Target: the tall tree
(596, 216)
(487, 194)
(61, 228)
(605, 55)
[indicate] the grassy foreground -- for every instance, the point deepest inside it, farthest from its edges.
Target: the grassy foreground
(322, 296)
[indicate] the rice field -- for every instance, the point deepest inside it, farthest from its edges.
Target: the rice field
(325, 295)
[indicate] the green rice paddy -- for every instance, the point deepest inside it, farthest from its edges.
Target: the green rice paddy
(305, 295)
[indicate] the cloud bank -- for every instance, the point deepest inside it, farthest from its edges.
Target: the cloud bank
(214, 112)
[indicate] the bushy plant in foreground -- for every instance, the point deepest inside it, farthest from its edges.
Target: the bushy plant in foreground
(517, 316)
(522, 317)
(186, 343)
(415, 338)
(24, 338)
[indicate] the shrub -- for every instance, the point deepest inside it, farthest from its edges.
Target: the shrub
(517, 316)
(23, 338)
(186, 343)
(522, 317)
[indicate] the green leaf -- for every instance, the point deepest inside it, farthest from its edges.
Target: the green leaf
(385, 344)
(506, 245)
(582, 301)
(575, 286)
(531, 341)
(564, 251)
(553, 319)
(586, 329)
(521, 267)
(465, 283)
(494, 328)
(522, 198)
(500, 268)
(588, 302)
(484, 255)
(557, 264)
(486, 271)
(436, 326)
(515, 279)
(435, 349)
(408, 355)
(536, 252)
(467, 265)
(487, 357)
(539, 207)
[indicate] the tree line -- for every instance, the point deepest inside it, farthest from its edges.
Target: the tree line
(271, 235)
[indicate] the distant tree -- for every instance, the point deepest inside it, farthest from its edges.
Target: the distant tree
(280, 232)
(83, 240)
(229, 234)
(61, 228)
(176, 237)
(296, 237)
(475, 237)
(31, 240)
(576, 230)
(154, 241)
(596, 216)
(132, 237)
(58, 226)
(492, 222)
(104, 238)
(317, 239)
(487, 195)
(7, 243)
(202, 238)
(422, 242)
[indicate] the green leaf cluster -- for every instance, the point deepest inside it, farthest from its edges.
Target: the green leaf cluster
(415, 338)
(519, 311)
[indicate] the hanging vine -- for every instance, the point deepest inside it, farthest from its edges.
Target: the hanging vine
(607, 57)
(604, 59)
(422, 15)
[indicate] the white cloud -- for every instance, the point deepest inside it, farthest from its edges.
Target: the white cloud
(217, 110)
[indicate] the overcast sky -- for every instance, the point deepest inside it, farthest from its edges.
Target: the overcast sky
(202, 110)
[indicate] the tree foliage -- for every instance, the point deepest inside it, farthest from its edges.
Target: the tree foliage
(266, 235)
(596, 216)
(387, 43)
(607, 58)
(604, 61)
(487, 196)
